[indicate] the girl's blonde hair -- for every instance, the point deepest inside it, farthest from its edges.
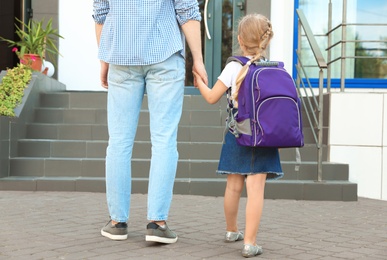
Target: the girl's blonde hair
(255, 32)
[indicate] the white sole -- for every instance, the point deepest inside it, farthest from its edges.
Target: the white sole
(114, 237)
(160, 239)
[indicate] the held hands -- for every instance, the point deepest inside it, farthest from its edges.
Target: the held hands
(199, 72)
(198, 81)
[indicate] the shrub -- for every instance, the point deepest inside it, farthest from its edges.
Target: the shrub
(12, 88)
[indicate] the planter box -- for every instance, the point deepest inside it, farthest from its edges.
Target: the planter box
(14, 128)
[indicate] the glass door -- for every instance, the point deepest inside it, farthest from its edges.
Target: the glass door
(219, 22)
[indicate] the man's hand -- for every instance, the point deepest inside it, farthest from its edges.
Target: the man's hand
(104, 74)
(199, 71)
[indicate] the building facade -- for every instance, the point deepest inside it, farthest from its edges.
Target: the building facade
(358, 114)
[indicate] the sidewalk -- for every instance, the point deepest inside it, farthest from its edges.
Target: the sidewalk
(66, 225)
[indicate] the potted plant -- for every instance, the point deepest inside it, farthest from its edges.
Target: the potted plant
(35, 40)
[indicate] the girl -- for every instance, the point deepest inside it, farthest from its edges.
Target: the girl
(240, 163)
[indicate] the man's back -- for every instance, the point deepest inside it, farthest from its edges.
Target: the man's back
(140, 32)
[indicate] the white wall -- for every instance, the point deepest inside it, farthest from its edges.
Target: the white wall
(79, 66)
(281, 46)
(358, 137)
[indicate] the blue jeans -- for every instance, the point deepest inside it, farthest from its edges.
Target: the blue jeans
(164, 84)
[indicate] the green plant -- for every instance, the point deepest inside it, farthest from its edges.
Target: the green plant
(12, 88)
(35, 38)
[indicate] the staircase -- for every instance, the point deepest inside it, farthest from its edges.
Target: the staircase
(65, 145)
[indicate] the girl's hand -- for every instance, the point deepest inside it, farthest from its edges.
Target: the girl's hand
(197, 80)
(211, 95)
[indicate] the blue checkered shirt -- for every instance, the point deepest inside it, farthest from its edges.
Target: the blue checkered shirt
(142, 32)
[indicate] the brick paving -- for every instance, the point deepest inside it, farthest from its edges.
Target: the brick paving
(66, 225)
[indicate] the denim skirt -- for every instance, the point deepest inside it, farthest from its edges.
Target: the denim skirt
(244, 160)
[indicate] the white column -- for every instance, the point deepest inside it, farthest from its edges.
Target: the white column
(281, 46)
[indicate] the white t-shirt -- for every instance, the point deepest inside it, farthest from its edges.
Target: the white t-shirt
(229, 75)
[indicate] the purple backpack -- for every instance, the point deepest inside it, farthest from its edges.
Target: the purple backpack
(269, 108)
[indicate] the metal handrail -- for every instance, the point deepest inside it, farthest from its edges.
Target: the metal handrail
(358, 24)
(312, 40)
(342, 41)
(309, 104)
(310, 109)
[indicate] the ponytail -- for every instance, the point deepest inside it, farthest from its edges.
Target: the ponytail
(254, 32)
(242, 74)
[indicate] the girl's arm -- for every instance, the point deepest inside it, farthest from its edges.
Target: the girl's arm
(210, 95)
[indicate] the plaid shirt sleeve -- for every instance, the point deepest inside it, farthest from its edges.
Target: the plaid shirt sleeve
(100, 9)
(187, 10)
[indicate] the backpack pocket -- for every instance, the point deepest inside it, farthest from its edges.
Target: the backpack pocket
(243, 124)
(278, 123)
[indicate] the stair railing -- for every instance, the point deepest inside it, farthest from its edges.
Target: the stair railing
(313, 105)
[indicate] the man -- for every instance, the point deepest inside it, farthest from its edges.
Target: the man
(141, 46)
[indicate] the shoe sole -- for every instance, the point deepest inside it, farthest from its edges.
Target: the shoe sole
(164, 240)
(248, 255)
(232, 241)
(114, 237)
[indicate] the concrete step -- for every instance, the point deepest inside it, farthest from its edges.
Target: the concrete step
(97, 149)
(81, 116)
(68, 99)
(65, 147)
(61, 107)
(142, 149)
(93, 131)
(98, 100)
(187, 168)
(99, 132)
(280, 189)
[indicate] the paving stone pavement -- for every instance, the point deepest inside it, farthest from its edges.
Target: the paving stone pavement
(66, 225)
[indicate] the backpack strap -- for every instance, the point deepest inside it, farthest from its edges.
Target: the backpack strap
(230, 121)
(240, 59)
(263, 62)
(243, 60)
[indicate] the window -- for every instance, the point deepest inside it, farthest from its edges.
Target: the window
(374, 12)
(366, 33)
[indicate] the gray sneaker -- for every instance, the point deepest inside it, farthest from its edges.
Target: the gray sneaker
(250, 250)
(233, 236)
(161, 234)
(118, 231)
